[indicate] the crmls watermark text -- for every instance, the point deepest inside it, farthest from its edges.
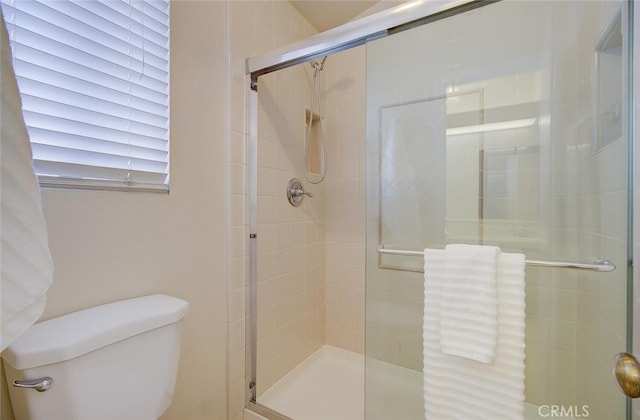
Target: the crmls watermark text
(575, 411)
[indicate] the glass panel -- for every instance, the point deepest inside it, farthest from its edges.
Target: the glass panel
(290, 318)
(504, 126)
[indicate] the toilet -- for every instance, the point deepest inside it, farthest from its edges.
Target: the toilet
(114, 361)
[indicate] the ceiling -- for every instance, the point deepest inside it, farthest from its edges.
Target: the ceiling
(327, 14)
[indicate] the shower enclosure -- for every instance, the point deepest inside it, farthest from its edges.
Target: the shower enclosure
(497, 123)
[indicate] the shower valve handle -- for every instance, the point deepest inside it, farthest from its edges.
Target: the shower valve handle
(295, 192)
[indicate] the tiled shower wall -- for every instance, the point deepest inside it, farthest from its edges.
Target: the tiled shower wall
(291, 240)
(311, 286)
(574, 322)
(345, 207)
(561, 307)
(256, 27)
(310, 257)
(589, 198)
(602, 298)
(602, 199)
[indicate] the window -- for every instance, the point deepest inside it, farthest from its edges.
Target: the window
(94, 81)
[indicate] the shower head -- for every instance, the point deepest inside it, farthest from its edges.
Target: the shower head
(318, 65)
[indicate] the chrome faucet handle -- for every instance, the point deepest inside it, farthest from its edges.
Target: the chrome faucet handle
(296, 193)
(299, 192)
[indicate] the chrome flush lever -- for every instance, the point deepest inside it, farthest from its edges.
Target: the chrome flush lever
(40, 385)
(295, 192)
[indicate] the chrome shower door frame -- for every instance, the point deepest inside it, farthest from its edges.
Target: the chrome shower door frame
(353, 34)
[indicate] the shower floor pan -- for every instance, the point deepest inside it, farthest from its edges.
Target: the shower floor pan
(329, 384)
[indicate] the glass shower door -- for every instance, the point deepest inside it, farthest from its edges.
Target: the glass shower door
(505, 125)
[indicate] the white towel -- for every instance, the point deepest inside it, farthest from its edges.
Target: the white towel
(27, 269)
(460, 388)
(469, 312)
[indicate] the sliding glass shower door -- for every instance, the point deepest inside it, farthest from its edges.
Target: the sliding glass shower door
(506, 125)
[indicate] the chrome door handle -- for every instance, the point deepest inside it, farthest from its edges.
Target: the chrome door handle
(627, 373)
(40, 385)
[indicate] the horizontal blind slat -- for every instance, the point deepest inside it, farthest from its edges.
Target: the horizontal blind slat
(95, 159)
(56, 96)
(103, 185)
(106, 61)
(97, 77)
(83, 172)
(140, 24)
(75, 22)
(71, 141)
(71, 113)
(39, 122)
(94, 81)
(32, 74)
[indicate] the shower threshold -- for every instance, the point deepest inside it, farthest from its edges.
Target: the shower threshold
(329, 384)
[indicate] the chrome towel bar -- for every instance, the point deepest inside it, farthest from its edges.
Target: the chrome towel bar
(598, 265)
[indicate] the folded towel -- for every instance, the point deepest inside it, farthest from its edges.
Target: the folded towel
(27, 269)
(469, 311)
(460, 388)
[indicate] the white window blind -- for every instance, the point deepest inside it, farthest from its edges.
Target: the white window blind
(94, 81)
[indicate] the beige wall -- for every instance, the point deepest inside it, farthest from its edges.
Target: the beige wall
(191, 244)
(108, 246)
(176, 244)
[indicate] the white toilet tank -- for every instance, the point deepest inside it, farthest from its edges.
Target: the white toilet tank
(114, 361)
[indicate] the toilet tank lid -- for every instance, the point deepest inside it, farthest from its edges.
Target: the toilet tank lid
(72, 335)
